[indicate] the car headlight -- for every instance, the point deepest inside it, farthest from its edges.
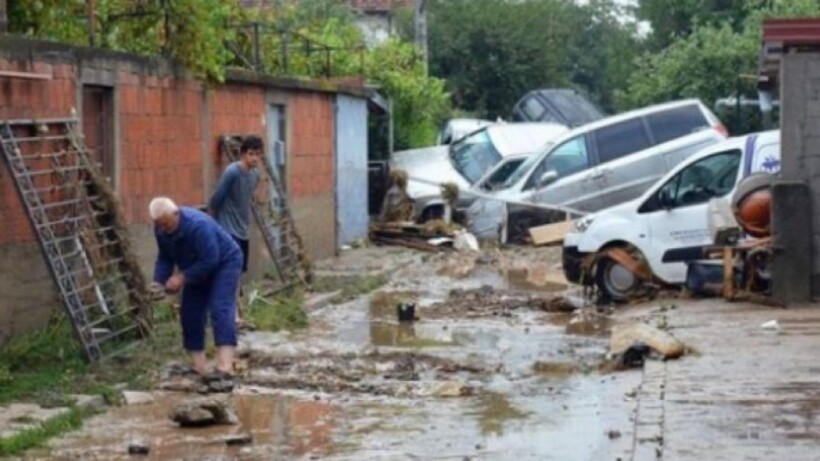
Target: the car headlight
(582, 224)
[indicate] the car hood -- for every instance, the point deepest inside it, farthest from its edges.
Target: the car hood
(430, 165)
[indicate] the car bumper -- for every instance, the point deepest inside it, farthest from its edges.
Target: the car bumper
(573, 263)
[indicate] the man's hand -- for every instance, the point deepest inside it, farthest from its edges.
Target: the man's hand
(175, 283)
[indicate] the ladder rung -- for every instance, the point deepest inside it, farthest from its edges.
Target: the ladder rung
(42, 138)
(98, 340)
(57, 188)
(57, 170)
(108, 318)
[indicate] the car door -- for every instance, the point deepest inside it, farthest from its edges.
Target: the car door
(573, 167)
(628, 164)
(677, 215)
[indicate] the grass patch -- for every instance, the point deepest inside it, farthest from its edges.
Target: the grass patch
(350, 286)
(47, 365)
(36, 437)
(281, 312)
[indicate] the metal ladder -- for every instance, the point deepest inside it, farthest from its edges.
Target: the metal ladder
(276, 223)
(74, 215)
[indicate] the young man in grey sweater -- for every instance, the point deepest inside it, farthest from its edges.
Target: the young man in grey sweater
(231, 202)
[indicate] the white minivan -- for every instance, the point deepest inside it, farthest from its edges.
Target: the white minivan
(670, 219)
(596, 166)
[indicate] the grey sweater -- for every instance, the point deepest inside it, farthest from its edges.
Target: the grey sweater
(232, 200)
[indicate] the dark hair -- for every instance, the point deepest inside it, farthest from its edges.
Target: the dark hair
(251, 143)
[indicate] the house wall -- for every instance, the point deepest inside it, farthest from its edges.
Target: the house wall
(167, 127)
(798, 276)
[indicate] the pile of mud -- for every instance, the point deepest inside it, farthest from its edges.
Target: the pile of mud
(393, 374)
(489, 302)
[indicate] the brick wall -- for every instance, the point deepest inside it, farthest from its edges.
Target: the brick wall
(19, 98)
(167, 127)
(311, 170)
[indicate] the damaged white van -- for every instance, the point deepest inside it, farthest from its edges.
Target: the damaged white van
(670, 219)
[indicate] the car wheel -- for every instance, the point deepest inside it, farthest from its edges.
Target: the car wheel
(615, 282)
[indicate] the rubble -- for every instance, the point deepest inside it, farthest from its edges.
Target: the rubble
(138, 447)
(137, 398)
(625, 337)
(204, 412)
(489, 302)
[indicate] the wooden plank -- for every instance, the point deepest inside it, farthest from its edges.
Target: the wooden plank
(550, 234)
(728, 273)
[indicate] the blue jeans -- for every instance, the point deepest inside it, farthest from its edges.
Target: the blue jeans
(216, 298)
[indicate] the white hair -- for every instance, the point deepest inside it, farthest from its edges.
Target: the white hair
(162, 206)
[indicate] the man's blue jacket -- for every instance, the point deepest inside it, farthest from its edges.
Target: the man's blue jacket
(199, 247)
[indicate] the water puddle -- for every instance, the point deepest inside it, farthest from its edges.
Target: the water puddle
(279, 425)
(493, 410)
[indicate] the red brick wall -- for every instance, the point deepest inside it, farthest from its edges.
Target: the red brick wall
(234, 109)
(311, 145)
(163, 123)
(22, 98)
(160, 142)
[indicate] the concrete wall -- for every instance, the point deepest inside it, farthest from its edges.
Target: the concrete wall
(351, 168)
(167, 126)
(800, 134)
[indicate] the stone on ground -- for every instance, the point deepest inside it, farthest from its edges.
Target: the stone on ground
(624, 336)
(204, 412)
(137, 398)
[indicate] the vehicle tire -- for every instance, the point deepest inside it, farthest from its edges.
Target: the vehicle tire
(615, 282)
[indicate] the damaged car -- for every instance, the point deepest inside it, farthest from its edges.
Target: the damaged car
(594, 167)
(646, 239)
(466, 162)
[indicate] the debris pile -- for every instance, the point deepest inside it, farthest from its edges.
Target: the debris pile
(393, 374)
(489, 302)
(204, 412)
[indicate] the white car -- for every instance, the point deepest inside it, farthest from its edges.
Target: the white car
(458, 128)
(467, 161)
(670, 222)
(596, 166)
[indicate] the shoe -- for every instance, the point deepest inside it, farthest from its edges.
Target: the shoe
(219, 382)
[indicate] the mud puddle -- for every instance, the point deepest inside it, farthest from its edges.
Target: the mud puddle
(490, 370)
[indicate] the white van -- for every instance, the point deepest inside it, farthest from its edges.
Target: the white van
(670, 219)
(598, 165)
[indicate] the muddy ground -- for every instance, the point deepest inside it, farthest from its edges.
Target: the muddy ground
(493, 368)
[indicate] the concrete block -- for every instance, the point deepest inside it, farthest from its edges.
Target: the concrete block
(792, 264)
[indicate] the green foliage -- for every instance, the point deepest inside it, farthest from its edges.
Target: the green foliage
(192, 31)
(48, 364)
(673, 19)
(419, 102)
(36, 437)
(490, 63)
(710, 63)
(282, 312)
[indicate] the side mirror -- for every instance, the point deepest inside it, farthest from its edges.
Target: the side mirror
(548, 178)
(665, 200)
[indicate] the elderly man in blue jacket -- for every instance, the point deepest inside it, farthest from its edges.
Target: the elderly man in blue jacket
(209, 265)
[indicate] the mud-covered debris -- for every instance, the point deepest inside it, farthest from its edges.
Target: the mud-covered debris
(242, 438)
(485, 302)
(624, 337)
(561, 304)
(635, 356)
(613, 434)
(204, 412)
(137, 398)
(447, 389)
(180, 384)
(555, 368)
(138, 447)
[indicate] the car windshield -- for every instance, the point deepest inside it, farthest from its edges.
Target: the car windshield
(474, 155)
(525, 167)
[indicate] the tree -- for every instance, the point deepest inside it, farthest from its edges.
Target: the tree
(672, 19)
(710, 62)
(192, 31)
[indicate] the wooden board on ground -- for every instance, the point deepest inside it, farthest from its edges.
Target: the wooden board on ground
(550, 234)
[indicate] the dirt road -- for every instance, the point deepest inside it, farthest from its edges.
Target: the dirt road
(492, 370)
